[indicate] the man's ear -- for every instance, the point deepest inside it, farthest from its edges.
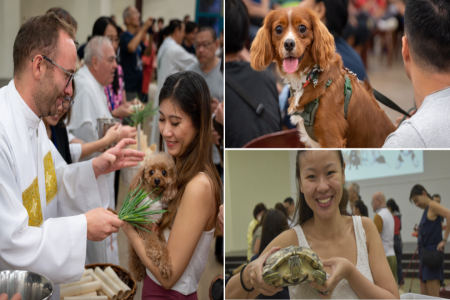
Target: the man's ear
(405, 49)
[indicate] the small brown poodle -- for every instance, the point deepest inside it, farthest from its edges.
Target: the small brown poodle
(158, 172)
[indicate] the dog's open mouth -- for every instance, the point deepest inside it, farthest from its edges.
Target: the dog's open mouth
(290, 63)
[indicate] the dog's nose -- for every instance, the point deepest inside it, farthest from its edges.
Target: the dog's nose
(289, 44)
(157, 181)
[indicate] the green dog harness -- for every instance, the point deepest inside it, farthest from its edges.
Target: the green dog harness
(309, 112)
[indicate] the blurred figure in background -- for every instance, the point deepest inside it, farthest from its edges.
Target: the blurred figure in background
(353, 195)
(431, 242)
(290, 207)
(360, 209)
(131, 50)
(258, 212)
(190, 31)
(256, 238)
(398, 245)
(243, 123)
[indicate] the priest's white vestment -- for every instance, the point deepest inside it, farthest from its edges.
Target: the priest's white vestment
(89, 105)
(42, 199)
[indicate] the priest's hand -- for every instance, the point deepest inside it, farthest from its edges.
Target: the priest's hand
(117, 158)
(16, 296)
(101, 223)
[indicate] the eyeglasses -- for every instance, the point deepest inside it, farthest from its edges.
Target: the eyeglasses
(206, 45)
(68, 101)
(71, 75)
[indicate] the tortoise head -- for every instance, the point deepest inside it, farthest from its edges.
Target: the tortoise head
(295, 266)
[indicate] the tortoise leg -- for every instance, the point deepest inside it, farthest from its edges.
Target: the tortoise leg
(320, 276)
(295, 266)
(271, 277)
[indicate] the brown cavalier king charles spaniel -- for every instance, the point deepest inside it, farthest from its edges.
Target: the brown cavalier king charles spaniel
(305, 54)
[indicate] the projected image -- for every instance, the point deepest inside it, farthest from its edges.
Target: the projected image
(367, 164)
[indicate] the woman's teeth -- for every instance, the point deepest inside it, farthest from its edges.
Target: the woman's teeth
(324, 201)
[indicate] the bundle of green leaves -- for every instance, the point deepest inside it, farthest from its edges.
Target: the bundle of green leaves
(136, 214)
(139, 116)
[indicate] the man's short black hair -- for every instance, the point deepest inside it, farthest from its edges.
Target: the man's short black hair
(427, 27)
(336, 15)
(237, 24)
(289, 200)
(210, 29)
(173, 24)
(436, 195)
(190, 26)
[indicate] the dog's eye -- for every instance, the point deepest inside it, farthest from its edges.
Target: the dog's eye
(279, 30)
(302, 28)
(164, 173)
(151, 172)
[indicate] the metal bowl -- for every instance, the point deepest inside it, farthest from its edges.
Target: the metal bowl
(103, 124)
(31, 286)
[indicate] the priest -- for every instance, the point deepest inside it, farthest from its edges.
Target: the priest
(48, 209)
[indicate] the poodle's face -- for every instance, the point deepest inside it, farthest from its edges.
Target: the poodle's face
(159, 172)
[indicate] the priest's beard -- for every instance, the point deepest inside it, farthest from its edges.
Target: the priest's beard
(46, 95)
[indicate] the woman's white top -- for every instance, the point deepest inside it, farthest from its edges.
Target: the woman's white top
(188, 282)
(343, 290)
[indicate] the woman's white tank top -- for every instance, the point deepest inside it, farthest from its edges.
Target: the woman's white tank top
(343, 290)
(188, 282)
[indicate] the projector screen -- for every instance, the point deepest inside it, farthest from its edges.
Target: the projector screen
(367, 164)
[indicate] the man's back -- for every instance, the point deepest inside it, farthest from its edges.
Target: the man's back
(426, 128)
(242, 124)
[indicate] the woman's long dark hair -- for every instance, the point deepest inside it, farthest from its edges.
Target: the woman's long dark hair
(189, 92)
(304, 211)
(99, 30)
(418, 190)
(393, 205)
(359, 204)
(274, 223)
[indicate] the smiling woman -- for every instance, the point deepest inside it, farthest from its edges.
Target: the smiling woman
(349, 247)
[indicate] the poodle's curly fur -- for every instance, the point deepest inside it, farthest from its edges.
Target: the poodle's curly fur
(158, 172)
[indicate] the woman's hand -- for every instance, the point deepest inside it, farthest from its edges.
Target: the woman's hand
(255, 270)
(122, 111)
(441, 245)
(16, 296)
(340, 269)
(130, 231)
(112, 135)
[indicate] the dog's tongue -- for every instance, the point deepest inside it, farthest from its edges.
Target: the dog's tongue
(290, 64)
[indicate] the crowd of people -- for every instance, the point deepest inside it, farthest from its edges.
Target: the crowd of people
(279, 228)
(354, 25)
(74, 171)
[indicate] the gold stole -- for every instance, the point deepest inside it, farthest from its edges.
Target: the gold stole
(31, 198)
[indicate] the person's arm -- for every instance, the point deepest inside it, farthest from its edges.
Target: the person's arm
(111, 136)
(252, 275)
(139, 36)
(183, 58)
(257, 245)
(406, 136)
(378, 222)
(123, 110)
(197, 209)
(444, 212)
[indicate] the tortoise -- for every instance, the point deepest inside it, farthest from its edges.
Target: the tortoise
(294, 265)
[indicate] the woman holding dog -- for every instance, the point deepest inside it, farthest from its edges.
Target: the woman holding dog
(191, 221)
(431, 243)
(349, 247)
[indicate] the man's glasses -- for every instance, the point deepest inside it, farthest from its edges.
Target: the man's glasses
(206, 45)
(68, 101)
(71, 75)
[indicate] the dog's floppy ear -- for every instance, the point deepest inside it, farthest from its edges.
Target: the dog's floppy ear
(261, 51)
(171, 190)
(137, 179)
(323, 47)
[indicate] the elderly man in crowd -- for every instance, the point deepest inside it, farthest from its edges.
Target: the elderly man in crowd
(385, 223)
(172, 58)
(48, 209)
(90, 104)
(353, 195)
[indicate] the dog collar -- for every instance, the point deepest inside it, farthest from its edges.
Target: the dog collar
(313, 76)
